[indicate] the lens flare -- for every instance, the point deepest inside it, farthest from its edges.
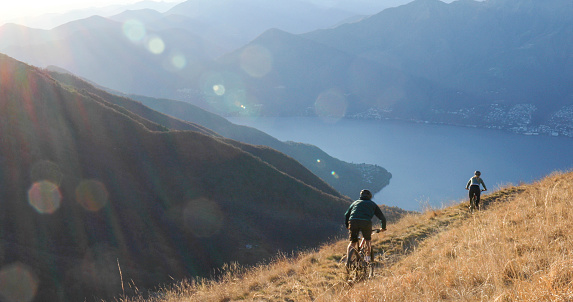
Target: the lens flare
(331, 105)
(179, 61)
(17, 283)
(203, 217)
(134, 30)
(334, 174)
(45, 197)
(156, 45)
(219, 89)
(92, 195)
(256, 61)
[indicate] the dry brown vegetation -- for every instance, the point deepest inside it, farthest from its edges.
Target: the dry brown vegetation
(517, 249)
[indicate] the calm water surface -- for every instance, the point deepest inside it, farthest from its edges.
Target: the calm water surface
(430, 164)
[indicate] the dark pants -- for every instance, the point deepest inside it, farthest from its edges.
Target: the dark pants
(475, 191)
(357, 226)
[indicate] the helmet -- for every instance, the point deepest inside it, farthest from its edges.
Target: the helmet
(478, 173)
(365, 194)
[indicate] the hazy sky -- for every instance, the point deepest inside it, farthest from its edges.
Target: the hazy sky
(11, 9)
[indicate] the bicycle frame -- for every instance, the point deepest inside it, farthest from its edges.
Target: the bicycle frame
(358, 269)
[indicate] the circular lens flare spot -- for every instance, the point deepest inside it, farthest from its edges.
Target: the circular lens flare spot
(45, 197)
(17, 283)
(92, 195)
(256, 61)
(179, 61)
(156, 45)
(203, 217)
(334, 174)
(219, 89)
(134, 30)
(331, 105)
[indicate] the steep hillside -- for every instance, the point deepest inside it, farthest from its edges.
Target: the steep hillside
(173, 114)
(92, 193)
(352, 177)
(517, 249)
(138, 111)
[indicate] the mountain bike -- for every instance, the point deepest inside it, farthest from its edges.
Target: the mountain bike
(358, 268)
(473, 205)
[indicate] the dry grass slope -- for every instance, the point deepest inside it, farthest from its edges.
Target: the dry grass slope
(518, 249)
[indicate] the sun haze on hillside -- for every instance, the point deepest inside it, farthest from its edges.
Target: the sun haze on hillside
(15, 11)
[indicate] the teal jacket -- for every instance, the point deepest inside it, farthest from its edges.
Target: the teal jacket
(364, 209)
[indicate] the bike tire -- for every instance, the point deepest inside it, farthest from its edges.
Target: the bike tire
(371, 266)
(354, 267)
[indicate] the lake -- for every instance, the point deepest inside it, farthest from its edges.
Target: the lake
(430, 164)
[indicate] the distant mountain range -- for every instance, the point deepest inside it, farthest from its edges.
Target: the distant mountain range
(497, 63)
(52, 20)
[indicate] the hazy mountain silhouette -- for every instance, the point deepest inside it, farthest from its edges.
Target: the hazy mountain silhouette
(88, 186)
(491, 52)
(310, 78)
(52, 20)
(105, 52)
(491, 63)
(243, 20)
(192, 33)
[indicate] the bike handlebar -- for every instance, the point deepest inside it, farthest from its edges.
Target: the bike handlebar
(378, 230)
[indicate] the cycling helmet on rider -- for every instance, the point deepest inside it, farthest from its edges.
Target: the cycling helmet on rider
(477, 173)
(365, 194)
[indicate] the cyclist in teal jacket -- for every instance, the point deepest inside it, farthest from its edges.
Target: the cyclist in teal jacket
(359, 219)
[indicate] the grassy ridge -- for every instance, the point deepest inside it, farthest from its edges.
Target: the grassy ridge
(518, 249)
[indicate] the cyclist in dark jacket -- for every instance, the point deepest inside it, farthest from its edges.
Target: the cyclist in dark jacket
(359, 219)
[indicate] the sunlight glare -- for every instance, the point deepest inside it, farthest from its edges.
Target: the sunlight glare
(219, 89)
(334, 174)
(331, 105)
(92, 195)
(178, 61)
(45, 197)
(17, 283)
(134, 30)
(156, 45)
(256, 61)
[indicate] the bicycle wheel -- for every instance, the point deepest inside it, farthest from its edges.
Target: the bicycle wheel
(355, 269)
(371, 265)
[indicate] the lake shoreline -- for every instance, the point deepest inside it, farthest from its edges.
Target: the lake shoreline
(430, 163)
